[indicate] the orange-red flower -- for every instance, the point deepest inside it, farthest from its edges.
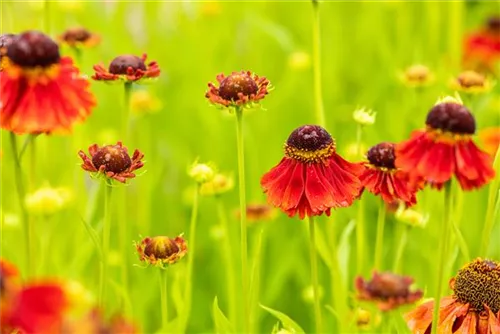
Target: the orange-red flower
(79, 37)
(161, 251)
(312, 178)
(37, 308)
(387, 290)
(94, 323)
(482, 48)
(474, 307)
(445, 148)
(490, 137)
(39, 90)
(127, 68)
(238, 89)
(381, 177)
(112, 161)
(5, 41)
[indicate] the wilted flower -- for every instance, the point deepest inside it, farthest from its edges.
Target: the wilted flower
(381, 177)
(482, 48)
(41, 91)
(219, 184)
(312, 178)
(161, 251)
(387, 290)
(490, 137)
(143, 102)
(471, 82)
(79, 37)
(47, 200)
(417, 75)
(239, 89)
(112, 161)
(474, 307)
(127, 68)
(445, 148)
(364, 116)
(201, 173)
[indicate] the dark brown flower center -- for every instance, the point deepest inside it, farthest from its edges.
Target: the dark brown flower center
(494, 24)
(161, 247)
(478, 284)
(76, 35)
(309, 138)
(120, 64)
(471, 79)
(235, 84)
(451, 117)
(386, 285)
(113, 157)
(5, 41)
(382, 155)
(32, 48)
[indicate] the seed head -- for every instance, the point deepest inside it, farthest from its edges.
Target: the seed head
(32, 49)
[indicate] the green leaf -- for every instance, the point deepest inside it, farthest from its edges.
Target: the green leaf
(222, 324)
(344, 248)
(93, 236)
(323, 249)
(287, 322)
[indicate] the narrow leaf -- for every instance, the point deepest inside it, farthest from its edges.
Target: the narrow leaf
(222, 324)
(286, 321)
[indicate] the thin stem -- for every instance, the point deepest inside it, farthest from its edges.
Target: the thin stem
(403, 237)
(314, 275)
(192, 251)
(163, 279)
(106, 232)
(243, 218)
(379, 243)
(443, 253)
(228, 258)
(337, 284)
(32, 166)
(21, 194)
(490, 209)
(127, 89)
(318, 94)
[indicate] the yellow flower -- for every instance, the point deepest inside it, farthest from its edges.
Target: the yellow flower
(47, 200)
(471, 82)
(299, 60)
(220, 184)
(417, 75)
(201, 173)
(411, 217)
(143, 102)
(364, 116)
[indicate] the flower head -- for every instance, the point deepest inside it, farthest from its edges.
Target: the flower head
(79, 37)
(490, 137)
(127, 68)
(482, 47)
(411, 217)
(381, 177)
(239, 89)
(417, 75)
(257, 212)
(47, 200)
(312, 178)
(364, 116)
(445, 148)
(201, 173)
(388, 290)
(471, 82)
(161, 251)
(41, 91)
(474, 306)
(5, 41)
(112, 161)
(218, 185)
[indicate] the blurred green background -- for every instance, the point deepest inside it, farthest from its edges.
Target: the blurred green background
(364, 47)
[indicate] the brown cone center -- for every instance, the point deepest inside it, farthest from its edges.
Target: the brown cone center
(237, 83)
(382, 155)
(32, 48)
(478, 284)
(113, 157)
(120, 64)
(451, 117)
(161, 247)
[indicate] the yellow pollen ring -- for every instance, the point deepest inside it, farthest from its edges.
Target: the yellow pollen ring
(441, 136)
(34, 75)
(315, 156)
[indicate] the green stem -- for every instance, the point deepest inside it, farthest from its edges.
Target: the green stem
(337, 284)
(443, 253)
(318, 94)
(163, 279)
(403, 237)
(379, 243)
(243, 218)
(490, 209)
(127, 89)
(21, 194)
(106, 232)
(314, 275)
(228, 258)
(192, 252)
(32, 166)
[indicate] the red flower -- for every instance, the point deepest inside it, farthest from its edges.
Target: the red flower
(127, 68)
(33, 308)
(474, 308)
(238, 89)
(39, 90)
(388, 290)
(113, 161)
(381, 177)
(312, 178)
(482, 48)
(445, 148)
